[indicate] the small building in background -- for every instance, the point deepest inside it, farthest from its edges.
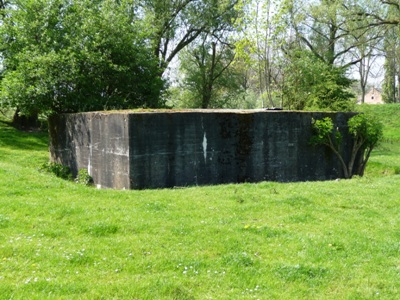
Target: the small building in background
(373, 96)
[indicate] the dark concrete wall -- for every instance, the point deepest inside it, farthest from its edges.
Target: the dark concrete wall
(136, 150)
(97, 142)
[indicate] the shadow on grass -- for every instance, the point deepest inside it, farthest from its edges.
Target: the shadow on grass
(13, 138)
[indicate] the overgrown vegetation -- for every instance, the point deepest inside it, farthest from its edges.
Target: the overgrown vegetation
(69, 56)
(366, 133)
(59, 170)
(310, 240)
(61, 56)
(320, 87)
(84, 177)
(64, 172)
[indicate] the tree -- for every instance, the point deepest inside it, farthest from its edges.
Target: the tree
(378, 13)
(336, 34)
(259, 52)
(205, 63)
(208, 78)
(332, 92)
(309, 83)
(324, 134)
(63, 56)
(367, 53)
(366, 132)
(263, 32)
(391, 85)
(325, 28)
(175, 24)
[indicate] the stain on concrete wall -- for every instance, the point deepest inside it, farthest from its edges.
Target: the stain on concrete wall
(157, 149)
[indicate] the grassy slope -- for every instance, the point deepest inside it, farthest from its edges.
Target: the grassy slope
(319, 240)
(386, 157)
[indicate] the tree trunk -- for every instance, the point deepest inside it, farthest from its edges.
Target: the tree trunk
(346, 173)
(363, 93)
(205, 103)
(363, 162)
(209, 78)
(339, 156)
(25, 122)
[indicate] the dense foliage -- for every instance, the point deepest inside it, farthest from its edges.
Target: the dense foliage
(311, 83)
(63, 56)
(366, 131)
(67, 56)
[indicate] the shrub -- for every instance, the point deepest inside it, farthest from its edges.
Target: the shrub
(57, 169)
(366, 132)
(324, 134)
(84, 178)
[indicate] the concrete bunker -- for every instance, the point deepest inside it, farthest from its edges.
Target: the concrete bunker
(168, 148)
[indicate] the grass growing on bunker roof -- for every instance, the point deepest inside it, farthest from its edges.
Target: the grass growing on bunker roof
(310, 240)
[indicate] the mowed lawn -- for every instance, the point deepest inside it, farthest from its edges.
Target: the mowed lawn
(309, 240)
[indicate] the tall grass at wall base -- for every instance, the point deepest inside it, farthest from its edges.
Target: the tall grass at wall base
(307, 240)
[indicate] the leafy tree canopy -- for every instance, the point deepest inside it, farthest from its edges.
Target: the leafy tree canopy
(310, 83)
(69, 56)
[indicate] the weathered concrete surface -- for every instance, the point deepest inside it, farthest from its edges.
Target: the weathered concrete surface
(96, 142)
(135, 150)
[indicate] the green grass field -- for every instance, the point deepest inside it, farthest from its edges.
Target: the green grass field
(310, 240)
